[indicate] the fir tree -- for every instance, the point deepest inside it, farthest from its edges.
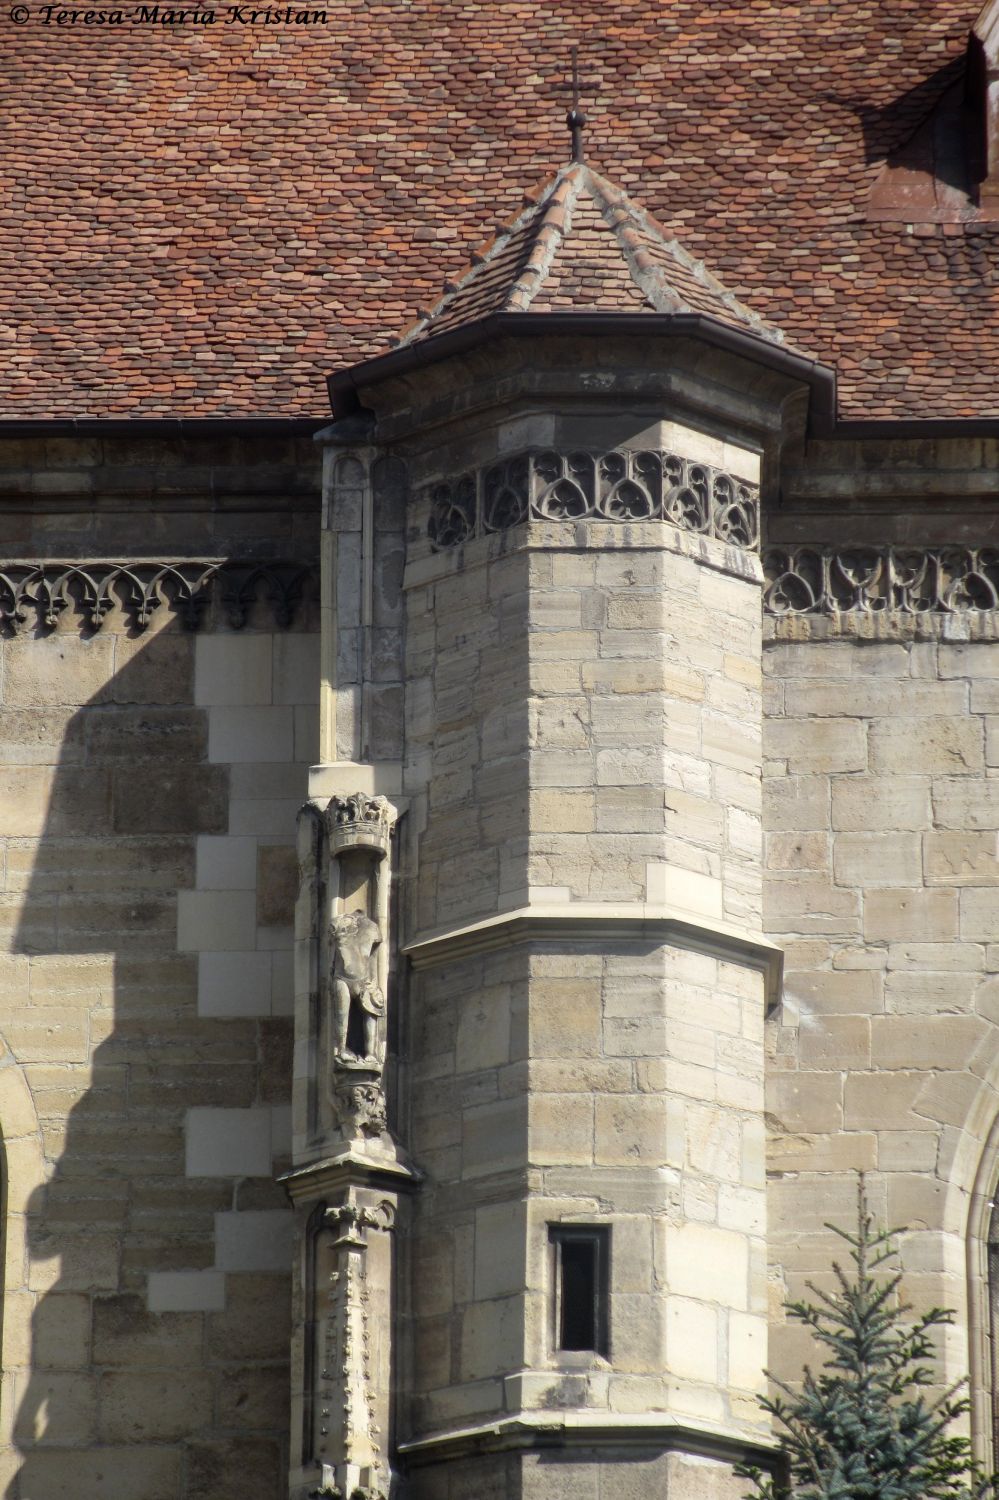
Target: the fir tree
(867, 1426)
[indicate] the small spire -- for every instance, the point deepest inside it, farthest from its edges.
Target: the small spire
(575, 119)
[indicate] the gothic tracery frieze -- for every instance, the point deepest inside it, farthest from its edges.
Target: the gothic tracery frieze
(617, 486)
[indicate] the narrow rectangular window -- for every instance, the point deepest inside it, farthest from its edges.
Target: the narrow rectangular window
(582, 1285)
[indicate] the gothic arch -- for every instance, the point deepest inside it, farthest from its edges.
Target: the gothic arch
(982, 1292)
(22, 1164)
(969, 1165)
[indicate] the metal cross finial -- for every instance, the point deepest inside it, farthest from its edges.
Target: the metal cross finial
(575, 119)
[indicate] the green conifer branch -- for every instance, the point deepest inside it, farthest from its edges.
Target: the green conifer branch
(866, 1426)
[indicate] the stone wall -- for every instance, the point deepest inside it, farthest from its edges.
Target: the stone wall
(883, 887)
(569, 1085)
(556, 685)
(149, 781)
(583, 739)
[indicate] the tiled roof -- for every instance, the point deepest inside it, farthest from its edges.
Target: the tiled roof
(585, 245)
(204, 220)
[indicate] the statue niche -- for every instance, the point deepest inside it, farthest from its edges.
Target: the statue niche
(359, 830)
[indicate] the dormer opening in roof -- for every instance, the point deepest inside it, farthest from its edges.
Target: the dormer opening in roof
(982, 102)
(947, 170)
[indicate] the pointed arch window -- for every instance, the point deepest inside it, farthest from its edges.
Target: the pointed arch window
(993, 1319)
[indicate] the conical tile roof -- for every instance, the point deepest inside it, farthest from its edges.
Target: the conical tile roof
(583, 245)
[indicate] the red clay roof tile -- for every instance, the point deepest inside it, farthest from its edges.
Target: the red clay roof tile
(584, 245)
(203, 221)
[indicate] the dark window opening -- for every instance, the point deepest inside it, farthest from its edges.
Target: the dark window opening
(582, 1256)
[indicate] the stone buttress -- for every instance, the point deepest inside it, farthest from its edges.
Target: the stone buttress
(532, 982)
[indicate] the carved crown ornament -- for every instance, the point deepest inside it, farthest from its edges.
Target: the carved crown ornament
(359, 820)
(876, 580)
(617, 486)
(43, 592)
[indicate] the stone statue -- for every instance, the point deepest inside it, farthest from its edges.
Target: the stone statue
(355, 990)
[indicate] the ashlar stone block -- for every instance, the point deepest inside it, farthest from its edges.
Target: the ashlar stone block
(818, 746)
(143, 1472)
(57, 669)
(917, 915)
(961, 859)
(629, 1131)
(835, 1042)
(881, 803)
(253, 733)
(965, 803)
(880, 1100)
(228, 1142)
(707, 1264)
(560, 1130)
(234, 670)
(565, 1018)
(903, 746)
(979, 913)
(798, 804)
(500, 1250)
(154, 1408)
(925, 1042)
(877, 859)
(747, 1351)
(214, 921)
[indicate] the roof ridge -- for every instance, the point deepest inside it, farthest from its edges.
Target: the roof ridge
(621, 213)
(555, 223)
(534, 205)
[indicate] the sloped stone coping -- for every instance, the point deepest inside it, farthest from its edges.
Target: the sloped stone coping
(608, 923)
(530, 1430)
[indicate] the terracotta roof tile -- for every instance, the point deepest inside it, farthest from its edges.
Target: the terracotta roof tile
(204, 220)
(583, 244)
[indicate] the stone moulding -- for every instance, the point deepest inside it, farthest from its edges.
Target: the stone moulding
(617, 486)
(568, 922)
(530, 1431)
(42, 592)
(874, 580)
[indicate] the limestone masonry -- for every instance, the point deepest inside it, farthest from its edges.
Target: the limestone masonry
(486, 868)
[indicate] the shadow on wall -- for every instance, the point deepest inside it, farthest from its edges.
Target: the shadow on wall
(149, 788)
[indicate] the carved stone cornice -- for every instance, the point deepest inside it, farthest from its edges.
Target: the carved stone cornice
(41, 592)
(616, 486)
(868, 581)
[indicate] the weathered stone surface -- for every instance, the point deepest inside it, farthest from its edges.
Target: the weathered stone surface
(872, 859)
(580, 723)
(890, 803)
(277, 885)
(105, 753)
(233, 1468)
(170, 799)
(928, 916)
